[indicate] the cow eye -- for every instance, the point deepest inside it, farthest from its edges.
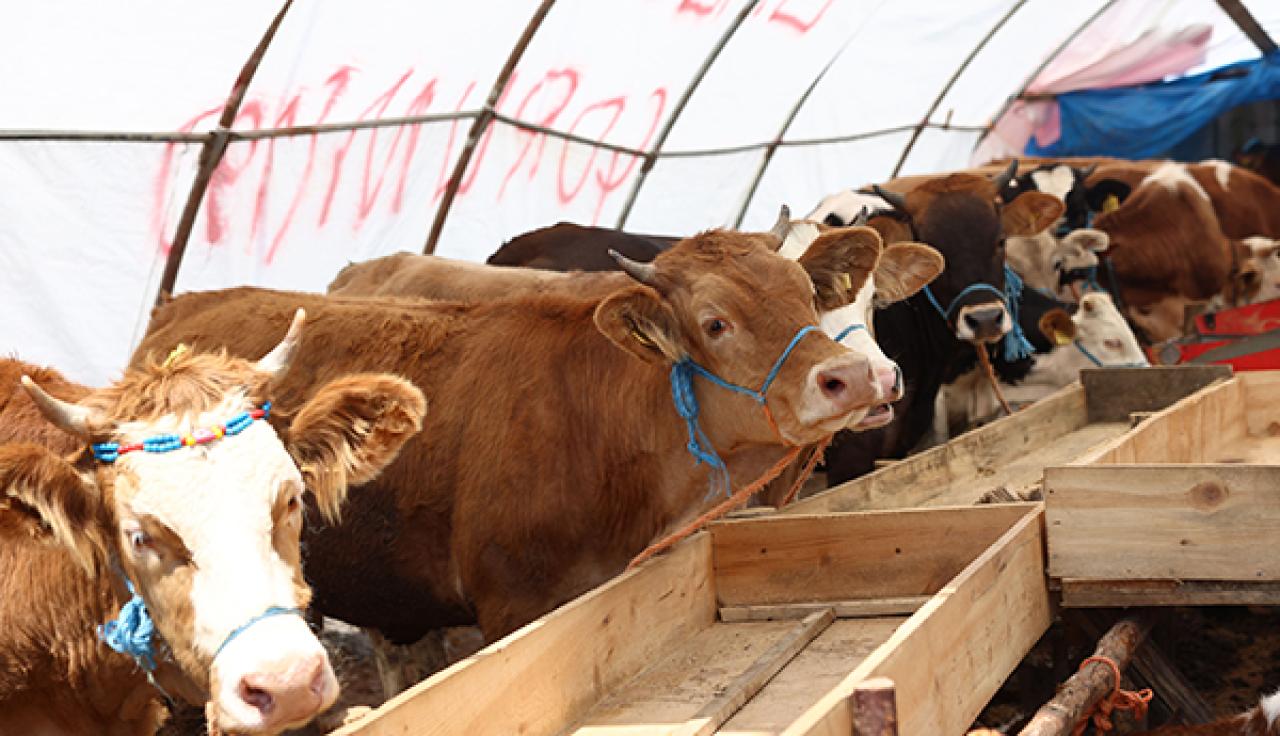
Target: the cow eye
(139, 541)
(294, 504)
(715, 326)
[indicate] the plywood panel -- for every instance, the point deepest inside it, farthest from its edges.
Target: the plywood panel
(790, 559)
(1198, 522)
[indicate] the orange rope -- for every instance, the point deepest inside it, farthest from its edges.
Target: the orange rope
(733, 502)
(1117, 700)
(807, 471)
(985, 360)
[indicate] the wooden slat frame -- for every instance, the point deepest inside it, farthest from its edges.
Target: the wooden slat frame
(949, 658)
(547, 675)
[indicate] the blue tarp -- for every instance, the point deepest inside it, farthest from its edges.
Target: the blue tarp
(1147, 121)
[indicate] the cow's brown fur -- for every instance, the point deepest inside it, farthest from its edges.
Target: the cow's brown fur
(59, 530)
(1249, 205)
(539, 479)
(432, 277)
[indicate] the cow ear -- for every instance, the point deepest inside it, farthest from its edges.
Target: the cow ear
(350, 430)
(1057, 327)
(892, 229)
(637, 320)
(904, 269)
(1107, 194)
(839, 262)
(39, 483)
(1095, 241)
(1030, 213)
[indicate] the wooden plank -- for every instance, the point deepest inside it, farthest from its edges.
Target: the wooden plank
(542, 677)
(876, 554)
(1198, 522)
(1115, 393)
(867, 608)
(928, 478)
(1262, 400)
(745, 686)
(949, 658)
(819, 668)
(1125, 593)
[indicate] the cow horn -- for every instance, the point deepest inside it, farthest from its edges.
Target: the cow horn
(277, 361)
(1087, 171)
(645, 273)
(898, 201)
(1002, 179)
(864, 214)
(782, 227)
(65, 415)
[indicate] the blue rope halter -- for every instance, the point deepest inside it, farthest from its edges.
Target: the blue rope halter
(846, 331)
(1016, 345)
(682, 394)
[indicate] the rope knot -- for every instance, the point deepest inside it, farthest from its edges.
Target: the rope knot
(132, 631)
(1136, 701)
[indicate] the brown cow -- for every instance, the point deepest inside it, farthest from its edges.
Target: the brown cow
(567, 246)
(553, 453)
(208, 535)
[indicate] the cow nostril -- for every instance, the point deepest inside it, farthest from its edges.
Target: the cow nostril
(256, 697)
(319, 680)
(972, 321)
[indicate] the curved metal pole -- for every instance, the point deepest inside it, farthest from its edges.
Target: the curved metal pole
(215, 145)
(915, 136)
(661, 140)
(772, 148)
(1022, 90)
(482, 122)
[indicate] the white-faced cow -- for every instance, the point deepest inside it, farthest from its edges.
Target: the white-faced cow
(165, 523)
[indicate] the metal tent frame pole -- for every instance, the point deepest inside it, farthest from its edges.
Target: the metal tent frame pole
(652, 157)
(215, 145)
(482, 122)
(946, 88)
(1248, 25)
(1022, 89)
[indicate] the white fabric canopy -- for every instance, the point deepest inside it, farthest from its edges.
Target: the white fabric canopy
(738, 105)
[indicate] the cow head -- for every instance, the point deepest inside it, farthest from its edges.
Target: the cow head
(902, 269)
(207, 532)
(1258, 277)
(1066, 182)
(961, 216)
(1097, 331)
(1056, 264)
(728, 302)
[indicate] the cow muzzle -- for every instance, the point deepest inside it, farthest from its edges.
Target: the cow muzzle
(889, 385)
(839, 392)
(274, 677)
(983, 323)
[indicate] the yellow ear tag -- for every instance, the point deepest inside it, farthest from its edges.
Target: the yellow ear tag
(845, 281)
(1111, 203)
(1061, 338)
(174, 354)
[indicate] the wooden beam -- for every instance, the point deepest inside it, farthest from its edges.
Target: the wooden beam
(1249, 25)
(875, 711)
(1125, 593)
(1079, 694)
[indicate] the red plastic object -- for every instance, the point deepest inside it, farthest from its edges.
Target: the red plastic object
(1253, 319)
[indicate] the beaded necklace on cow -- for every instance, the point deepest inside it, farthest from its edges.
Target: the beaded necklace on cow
(132, 631)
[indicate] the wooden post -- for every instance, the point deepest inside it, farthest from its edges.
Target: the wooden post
(1091, 683)
(875, 712)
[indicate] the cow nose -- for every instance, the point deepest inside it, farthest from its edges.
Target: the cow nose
(985, 323)
(290, 697)
(847, 383)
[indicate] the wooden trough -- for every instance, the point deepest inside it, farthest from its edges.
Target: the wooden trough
(1012, 453)
(765, 626)
(1182, 510)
